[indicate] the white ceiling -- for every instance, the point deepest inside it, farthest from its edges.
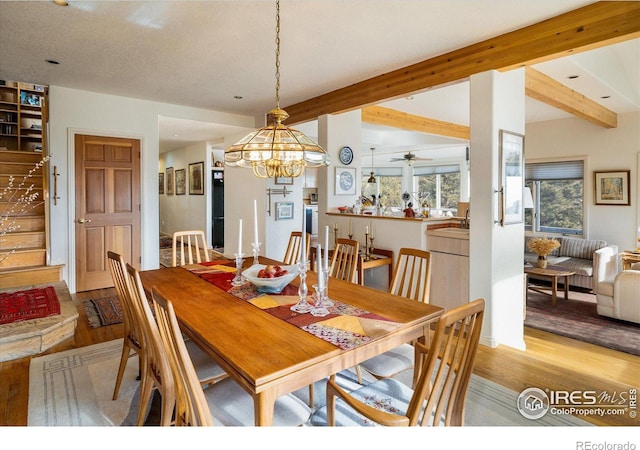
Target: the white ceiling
(202, 54)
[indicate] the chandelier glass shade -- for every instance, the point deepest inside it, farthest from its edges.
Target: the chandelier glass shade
(276, 150)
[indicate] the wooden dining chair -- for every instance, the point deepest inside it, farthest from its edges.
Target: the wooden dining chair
(189, 244)
(412, 280)
(292, 255)
(344, 262)
(225, 402)
(439, 397)
(132, 342)
(157, 372)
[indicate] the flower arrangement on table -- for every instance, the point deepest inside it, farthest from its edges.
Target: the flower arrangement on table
(542, 247)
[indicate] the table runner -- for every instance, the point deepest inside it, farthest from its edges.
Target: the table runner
(346, 326)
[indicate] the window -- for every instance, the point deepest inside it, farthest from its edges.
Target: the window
(440, 185)
(388, 185)
(558, 197)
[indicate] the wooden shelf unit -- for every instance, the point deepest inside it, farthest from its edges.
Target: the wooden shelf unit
(21, 107)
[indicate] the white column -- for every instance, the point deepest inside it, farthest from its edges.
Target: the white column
(496, 252)
(334, 132)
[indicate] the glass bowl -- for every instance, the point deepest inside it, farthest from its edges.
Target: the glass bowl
(270, 285)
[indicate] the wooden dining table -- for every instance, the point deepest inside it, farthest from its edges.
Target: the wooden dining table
(268, 356)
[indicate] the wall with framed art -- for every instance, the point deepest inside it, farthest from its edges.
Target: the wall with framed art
(196, 178)
(161, 183)
(345, 181)
(284, 180)
(612, 187)
(511, 177)
(170, 180)
(284, 210)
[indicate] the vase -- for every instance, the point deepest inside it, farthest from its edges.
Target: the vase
(542, 262)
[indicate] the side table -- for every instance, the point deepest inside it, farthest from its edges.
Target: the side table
(629, 257)
(553, 274)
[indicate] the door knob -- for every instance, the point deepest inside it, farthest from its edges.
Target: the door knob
(84, 220)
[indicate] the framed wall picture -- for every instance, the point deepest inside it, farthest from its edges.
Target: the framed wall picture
(170, 180)
(181, 181)
(284, 180)
(196, 178)
(161, 183)
(612, 187)
(511, 177)
(345, 181)
(284, 210)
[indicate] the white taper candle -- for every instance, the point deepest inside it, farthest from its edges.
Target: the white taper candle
(326, 247)
(255, 222)
(303, 241)
(319, 266)
(240, 237)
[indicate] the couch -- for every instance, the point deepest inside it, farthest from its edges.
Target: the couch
(619, 296)
(591, 260)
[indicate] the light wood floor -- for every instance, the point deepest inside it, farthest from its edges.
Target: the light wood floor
(550, 361)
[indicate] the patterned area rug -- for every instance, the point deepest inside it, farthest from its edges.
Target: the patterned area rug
(103, 311)
(578, 319)
(28, 304)
(74, 388)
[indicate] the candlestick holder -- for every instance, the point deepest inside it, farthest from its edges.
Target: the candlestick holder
(302, 306)
(370, 246)
(319, 309)
(350, 236)
(335, 237)
(256, 252)
(366, 246)
(238, 280)
(326, 300)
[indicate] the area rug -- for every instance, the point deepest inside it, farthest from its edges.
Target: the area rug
(28, 304)
(103, 311)
(74, 388)
(579, 320)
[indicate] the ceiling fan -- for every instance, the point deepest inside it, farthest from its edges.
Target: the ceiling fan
(410, 158)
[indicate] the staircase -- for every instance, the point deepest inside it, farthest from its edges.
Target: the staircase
(23, 224)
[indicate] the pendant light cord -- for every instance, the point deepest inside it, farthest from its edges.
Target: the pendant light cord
(278, 54)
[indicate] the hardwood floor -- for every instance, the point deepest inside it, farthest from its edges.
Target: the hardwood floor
(549, 362)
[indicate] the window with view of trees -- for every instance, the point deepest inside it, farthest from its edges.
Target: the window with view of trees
(388, 185)
(440, 185)
(558, 197)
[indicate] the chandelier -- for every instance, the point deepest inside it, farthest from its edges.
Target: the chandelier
(276, 150)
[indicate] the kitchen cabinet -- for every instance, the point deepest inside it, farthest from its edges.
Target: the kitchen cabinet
(449, 249)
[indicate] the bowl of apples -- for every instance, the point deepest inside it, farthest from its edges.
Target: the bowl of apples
(271, 278)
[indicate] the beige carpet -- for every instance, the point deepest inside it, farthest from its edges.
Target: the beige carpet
(74, 388)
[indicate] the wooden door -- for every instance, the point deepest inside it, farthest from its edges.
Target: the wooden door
(107, 213)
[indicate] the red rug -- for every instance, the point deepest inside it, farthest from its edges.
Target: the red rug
(29, 304)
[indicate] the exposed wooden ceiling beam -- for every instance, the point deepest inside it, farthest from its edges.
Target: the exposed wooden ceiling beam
(547, 90)
(592, 26)
(379, 115)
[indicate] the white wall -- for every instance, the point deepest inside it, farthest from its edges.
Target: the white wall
(186, 212)
(606, 149)
(81, 112)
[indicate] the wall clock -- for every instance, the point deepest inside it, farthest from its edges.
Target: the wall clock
(346, 155)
